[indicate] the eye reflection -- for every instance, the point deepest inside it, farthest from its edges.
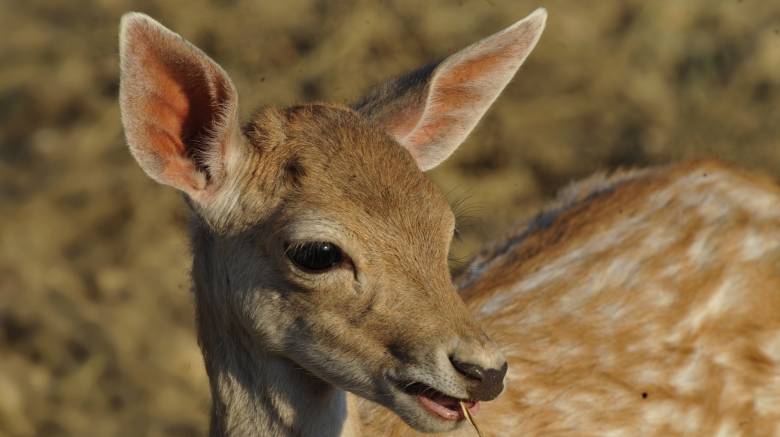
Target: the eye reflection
(315, 256)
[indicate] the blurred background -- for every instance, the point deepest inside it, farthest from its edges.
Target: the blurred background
(96, 318)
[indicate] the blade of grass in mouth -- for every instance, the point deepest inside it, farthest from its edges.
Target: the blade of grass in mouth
(467, 414)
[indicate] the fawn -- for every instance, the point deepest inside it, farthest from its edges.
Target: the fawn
(642, 303)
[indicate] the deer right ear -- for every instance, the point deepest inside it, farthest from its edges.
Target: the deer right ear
(431, 111)
(179, 108)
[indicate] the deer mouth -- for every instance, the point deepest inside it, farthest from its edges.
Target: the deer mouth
(438, 403)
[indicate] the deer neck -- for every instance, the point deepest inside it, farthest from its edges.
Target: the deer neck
(255, 392)
(264, 395)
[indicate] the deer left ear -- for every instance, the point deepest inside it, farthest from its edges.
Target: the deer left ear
(431, 111)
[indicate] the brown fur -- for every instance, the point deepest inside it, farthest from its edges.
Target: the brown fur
(400, 228)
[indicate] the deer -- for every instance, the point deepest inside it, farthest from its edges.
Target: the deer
(639, 302)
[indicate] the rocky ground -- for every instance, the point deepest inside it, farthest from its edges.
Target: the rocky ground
(96, 324)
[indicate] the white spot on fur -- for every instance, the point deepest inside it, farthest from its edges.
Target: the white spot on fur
(659, 413)
(753, 246)
(771, 347)
(492, 305)
(691, 424)
(650, 375)
(699, 251)
(718, 302)
(672, 414)
(663, 297)
(728, 429)
(660, 199)
(671, 271)
(767, 397)
(614, 310)
(762, 204)
(657, 240)
(689, 378)
(734, 391)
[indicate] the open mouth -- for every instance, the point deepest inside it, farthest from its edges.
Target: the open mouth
(436, 402)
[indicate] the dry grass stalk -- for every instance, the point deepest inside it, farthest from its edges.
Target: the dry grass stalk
(469, 418)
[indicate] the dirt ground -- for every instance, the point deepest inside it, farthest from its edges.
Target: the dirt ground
(96, 323)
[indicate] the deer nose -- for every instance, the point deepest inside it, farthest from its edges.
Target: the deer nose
(486, 384)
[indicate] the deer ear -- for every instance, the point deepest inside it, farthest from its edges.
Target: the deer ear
(179, 108)
(432, 110)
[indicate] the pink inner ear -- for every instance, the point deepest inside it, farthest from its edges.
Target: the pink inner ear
(166, 109)
(400, 125)
(176, 170)
(470, 72)
(168, 112)
(174, 99)
(431, 121)
(178, 100)
(459, 94)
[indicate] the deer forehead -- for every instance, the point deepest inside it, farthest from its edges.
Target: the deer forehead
(331, 168)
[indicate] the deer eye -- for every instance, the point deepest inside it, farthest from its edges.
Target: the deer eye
(315, 256)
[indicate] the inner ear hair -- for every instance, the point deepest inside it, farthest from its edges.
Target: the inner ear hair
(179, 107)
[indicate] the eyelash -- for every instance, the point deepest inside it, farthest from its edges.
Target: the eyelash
(465, 214)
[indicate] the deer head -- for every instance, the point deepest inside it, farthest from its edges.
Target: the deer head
(317, 236)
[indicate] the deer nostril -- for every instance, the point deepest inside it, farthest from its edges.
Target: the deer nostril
(490, 381)
(495, 376)
(472, 371)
